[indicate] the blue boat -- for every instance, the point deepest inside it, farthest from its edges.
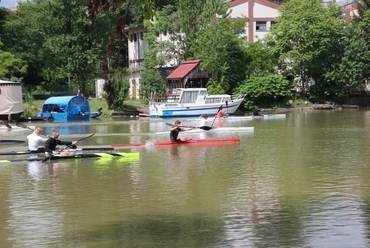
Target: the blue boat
(67, 108)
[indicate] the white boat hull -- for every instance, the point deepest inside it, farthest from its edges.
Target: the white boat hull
(220, 129)
(162, 110)
(244, 118)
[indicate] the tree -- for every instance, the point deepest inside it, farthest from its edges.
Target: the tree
(352, 70)
(60, 40)
(10, 66)
(265, 91)
(159, 53)
(306, 39)
(223, 53)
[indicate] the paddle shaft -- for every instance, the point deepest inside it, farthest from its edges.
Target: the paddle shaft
(207, 128)
(82, 139)
(219, 109)
(6, 124)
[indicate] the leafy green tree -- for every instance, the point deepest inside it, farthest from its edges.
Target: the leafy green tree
(362, 7)
(305, 41)
(119, 92)
(10, 65)
(223, 53)
(159, 53)
(59, 40)
(268, 90)
(260, 59)
(353, 68)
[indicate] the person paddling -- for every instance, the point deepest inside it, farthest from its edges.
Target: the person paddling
(220, 113)
(257, 111)
(176, 129)
(53, 141)
(34, 140)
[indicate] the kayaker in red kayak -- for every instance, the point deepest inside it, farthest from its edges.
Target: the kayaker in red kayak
(176, 129)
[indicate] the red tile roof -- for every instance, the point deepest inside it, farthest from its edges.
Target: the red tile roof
(184, 69)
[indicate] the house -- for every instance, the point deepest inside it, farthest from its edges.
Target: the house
(261, 15)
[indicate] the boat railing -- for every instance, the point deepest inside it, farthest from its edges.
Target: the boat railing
(238, 97)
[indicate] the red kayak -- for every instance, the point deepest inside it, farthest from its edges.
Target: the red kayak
(192, 141)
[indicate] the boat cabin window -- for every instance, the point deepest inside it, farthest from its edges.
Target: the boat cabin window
(52, 108)
(78, 102)
(189, 96)
(214, 100)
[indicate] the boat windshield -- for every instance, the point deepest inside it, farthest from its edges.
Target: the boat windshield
(189, 96)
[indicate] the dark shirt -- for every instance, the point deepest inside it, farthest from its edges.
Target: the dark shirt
(51, 144)
(256, 112)
(174, 134)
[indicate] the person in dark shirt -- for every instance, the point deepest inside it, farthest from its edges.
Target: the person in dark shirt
(176, 129)
(53, 141)
(256, 111)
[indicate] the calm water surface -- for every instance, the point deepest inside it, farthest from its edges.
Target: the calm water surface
(302, 181)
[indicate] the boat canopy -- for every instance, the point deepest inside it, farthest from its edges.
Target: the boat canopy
(74, 105)
(10, 99)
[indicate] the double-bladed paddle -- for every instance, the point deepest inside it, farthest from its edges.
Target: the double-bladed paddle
(206, 128)
(219, 109)
(7, 125)
(23, 126)
(79, 141)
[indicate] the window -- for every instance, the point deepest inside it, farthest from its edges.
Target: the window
(261, 26)
(141, 35)
(135, 37)
(131, 37)
(273, 24)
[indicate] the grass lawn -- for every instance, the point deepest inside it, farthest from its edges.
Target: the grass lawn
(30, 108)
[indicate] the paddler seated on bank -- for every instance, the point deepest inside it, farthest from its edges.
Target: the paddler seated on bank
(176, 129)
(53, 141)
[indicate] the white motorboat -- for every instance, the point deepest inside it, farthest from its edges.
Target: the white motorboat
(189, 102)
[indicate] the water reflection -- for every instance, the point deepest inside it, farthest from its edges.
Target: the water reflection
(298, 182)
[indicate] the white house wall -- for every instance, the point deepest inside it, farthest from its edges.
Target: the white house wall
(261, 11)
(239, 11)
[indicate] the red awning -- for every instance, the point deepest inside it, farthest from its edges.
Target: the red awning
(184, 69)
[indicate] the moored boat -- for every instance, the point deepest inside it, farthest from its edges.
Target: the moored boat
(11, 102)
(66, 108)
(187, 102)
(213, 141)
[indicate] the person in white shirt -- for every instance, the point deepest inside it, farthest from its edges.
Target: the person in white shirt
(203, 121)
(34, 140)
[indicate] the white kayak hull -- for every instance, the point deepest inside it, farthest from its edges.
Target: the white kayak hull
(220, 129)
(15, 128)
(243, 118)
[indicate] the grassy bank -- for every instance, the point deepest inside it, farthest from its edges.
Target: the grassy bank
(34, 106)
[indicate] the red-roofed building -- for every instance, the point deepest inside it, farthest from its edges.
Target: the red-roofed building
(188, 72)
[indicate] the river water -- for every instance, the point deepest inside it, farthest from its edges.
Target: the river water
(299, 181)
